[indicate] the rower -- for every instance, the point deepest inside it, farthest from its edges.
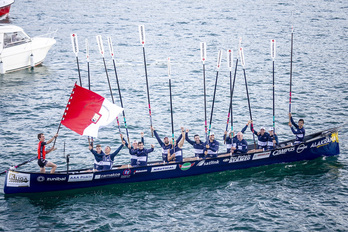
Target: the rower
(98, 157)
(175, 154)
(262, 136)
(272, 140)
(241, 145)
(198, 145)
(108, 159)
(300, 130)
(165, 144)
(41, 150)
(212, 147)
(133, 149)
(142, 154)
(231, 139)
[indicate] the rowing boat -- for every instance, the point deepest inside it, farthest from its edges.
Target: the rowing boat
(320, 144)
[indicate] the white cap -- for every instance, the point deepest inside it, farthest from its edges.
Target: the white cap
(271, 128)
(212, 133)
(262, 128)
(135, 141)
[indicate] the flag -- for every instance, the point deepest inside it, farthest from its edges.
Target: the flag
(86, 111)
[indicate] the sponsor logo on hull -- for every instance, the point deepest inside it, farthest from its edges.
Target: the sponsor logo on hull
(186, 166)
(240, 158)
(320, 143)
(301, 148)
(205, 163)
(107, 176)
(126, 173)
(81, 177)
(163, 168)
(262, 155)
(15, 179)
(140, 171)
(283, 151)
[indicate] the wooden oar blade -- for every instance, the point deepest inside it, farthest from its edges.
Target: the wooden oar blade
(87, 50)
(111, 47)
(229, 59)
(142, 34)
(273, 48)
(203, 51)
(241, 54)
(75, 44)
(100, 44)
(219, 59)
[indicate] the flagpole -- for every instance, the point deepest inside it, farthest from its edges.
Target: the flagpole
(142, 41)
(111, 48)
(101, 50)
(75, 46)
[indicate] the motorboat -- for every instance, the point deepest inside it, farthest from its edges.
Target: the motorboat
(5, 6)
(19, 51)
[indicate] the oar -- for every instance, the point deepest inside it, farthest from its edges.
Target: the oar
(18, 165)
(292, 46)
(75, 46)
(203, 58)
(101, 50)
(142, 41)
(90, 140)
(273, 54)
(217, 74)
(241, 54)
(171, 103)
(229, 63)
(111, 49)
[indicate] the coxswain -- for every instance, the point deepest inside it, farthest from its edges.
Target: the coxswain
(300, 130)
(142, 154)
(41, 151)
(241, 145)
(272, 140)
(262, 137)
(98, 157)
(108, 159)
(165, 144)
(212, 147)
(175, 153)
(231, 139)
(198, 145)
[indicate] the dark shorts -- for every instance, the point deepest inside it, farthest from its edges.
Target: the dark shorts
(42, 163)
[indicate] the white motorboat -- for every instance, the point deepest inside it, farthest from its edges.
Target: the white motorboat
(18, 50)
(5, 6)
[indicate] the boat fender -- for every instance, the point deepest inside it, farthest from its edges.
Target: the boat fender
(2, 70)
(32, 64)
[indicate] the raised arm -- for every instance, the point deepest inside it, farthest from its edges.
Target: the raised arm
(112, 156)
(157, 137)
(182, 140)
(187, 138)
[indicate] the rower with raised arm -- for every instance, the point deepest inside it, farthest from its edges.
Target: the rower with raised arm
(198, 145)
(98, 157)
(41, 150)
(212, 147)
(262, 136)
(300, 130)
(142, 154)
(108, 159)
(165, 144)
(175, 153)
(133, 148)
(231, 139)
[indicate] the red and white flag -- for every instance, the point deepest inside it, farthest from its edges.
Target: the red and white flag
(87, 111)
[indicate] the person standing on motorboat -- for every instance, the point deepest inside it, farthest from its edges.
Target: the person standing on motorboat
(300, 130)
(262, 137)
(175, 153)
(212, 147)
(41, 150)
(165, 144)
(231, 139)
(272, 139)
(198, 145)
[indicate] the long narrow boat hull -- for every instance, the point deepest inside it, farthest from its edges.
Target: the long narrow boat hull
(321, 144)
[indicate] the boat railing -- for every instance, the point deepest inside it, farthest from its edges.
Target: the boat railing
(49, 34)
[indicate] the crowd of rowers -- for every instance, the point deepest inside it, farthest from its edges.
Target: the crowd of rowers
(235, 144)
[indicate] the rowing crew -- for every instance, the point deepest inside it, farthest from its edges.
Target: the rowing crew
(172, 151)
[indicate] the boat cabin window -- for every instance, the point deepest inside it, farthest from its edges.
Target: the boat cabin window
(15, 38)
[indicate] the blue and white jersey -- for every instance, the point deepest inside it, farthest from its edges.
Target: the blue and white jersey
(300, 133)
(142, 156)
(199, 147)
(164, 146)
(213, 148)
(230, 142)
(97, 158)
(241, 146)
(262, 139)
(270, 144)
(133, 152)
(178, 154)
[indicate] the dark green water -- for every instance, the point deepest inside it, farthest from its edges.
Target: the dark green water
(302, 196)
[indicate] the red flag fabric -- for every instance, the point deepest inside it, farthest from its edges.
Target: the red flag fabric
(86, 111)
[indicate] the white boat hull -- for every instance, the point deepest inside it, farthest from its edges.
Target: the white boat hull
(19, 57)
